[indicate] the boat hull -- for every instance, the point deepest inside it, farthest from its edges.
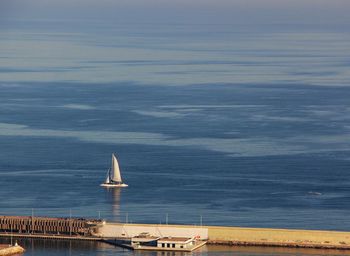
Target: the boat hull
(111, 185)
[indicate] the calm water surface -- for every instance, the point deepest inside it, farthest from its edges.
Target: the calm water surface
(48, 247)
(200, 130)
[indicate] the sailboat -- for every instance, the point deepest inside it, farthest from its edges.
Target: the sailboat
(114, 179)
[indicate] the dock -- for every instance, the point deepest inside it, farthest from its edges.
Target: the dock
(197, 245)
(167, 237)
(48, 226)
(237, 236)
(146, 242)
(51, 236)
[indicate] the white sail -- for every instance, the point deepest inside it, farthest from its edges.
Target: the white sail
(114, 178)
(108, 180)
(115, 172)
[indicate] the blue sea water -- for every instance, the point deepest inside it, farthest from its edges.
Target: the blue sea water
(237, 126)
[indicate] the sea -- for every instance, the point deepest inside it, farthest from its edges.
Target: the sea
(212, 124)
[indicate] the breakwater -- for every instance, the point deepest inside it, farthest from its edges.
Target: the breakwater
(97, 230)
(30, 225)
(236, 235)
(279, 237)
(122, 230)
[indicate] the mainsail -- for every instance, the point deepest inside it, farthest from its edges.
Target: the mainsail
(115, 172)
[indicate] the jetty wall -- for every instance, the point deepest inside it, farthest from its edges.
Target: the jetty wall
(235, 235)
(129, 230)
(45, 225)
(279, 237)
(77, 228)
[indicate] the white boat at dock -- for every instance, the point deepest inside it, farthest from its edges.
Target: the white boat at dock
(114, 178)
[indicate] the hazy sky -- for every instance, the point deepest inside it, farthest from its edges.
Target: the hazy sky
(197, 11)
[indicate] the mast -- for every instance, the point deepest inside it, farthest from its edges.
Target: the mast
(115, 171)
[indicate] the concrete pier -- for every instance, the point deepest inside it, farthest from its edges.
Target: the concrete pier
(279, 237)
(97, 230)
(121, 230)
(236, 236)
(47, 226)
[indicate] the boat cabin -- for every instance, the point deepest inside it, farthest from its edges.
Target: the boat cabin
(175, 242)
(145, 241)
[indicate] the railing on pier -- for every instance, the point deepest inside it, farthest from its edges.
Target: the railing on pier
(45, 225)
